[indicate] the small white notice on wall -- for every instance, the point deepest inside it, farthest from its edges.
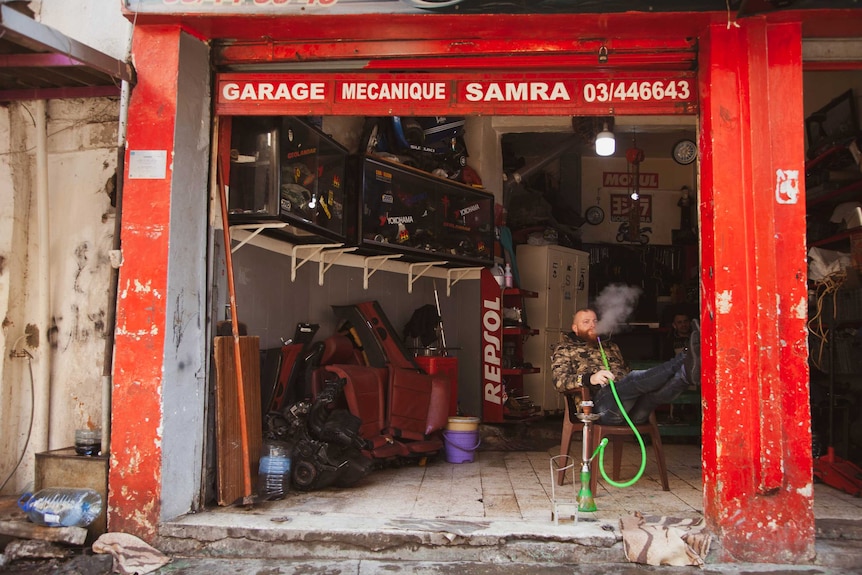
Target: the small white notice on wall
(148, 164)
(786, 186)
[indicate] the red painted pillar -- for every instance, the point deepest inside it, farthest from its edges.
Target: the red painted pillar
(136, 420)
(758, 491)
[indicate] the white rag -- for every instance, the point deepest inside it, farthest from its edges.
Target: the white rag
(653, 540)
(132, 556)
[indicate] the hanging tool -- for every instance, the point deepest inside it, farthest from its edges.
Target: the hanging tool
(248, 496)
(444, 352)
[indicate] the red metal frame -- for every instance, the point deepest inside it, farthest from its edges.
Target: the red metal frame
(756, 455)
(757, 460)
(648, 26)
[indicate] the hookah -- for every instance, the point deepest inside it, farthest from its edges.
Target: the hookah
(586, 502)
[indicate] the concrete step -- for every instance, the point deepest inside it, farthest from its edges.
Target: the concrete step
(273, 534)
(257, 534)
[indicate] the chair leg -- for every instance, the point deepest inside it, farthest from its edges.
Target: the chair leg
(565, 443)
(618, 456)
(659, 452)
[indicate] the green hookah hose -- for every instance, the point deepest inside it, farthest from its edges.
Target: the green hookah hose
(601, 448)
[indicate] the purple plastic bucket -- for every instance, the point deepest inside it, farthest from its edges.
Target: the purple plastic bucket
(460, 445)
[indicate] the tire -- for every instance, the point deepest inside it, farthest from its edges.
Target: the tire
(304, 475)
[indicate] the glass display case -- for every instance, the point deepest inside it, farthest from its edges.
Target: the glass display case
(285, 169)
(425, 217)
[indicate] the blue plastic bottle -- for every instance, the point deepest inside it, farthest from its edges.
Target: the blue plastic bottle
(274, 470)
(62, 506)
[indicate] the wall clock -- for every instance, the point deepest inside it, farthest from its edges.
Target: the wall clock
(685, 152)
(595, 215)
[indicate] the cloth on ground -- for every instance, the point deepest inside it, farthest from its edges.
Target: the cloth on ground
(662, 540)
(132, 556)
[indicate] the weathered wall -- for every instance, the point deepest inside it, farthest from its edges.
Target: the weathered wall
(82, 151)
(16, 395)
(81, 147)
(98, 23)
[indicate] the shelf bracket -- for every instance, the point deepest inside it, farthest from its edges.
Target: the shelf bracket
(258, 228)
(313, 249)
(380, 260)
(459, 273)
(324, 267)
(424, 267)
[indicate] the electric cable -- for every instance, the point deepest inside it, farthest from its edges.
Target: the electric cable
(30, 426)
(824, 288)
(601, 447)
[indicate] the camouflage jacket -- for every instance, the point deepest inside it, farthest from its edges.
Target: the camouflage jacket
(574, 360)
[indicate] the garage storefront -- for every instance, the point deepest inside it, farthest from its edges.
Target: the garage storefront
(421, 64)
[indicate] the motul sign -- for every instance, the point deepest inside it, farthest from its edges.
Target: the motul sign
(435, 94)
(627, 180)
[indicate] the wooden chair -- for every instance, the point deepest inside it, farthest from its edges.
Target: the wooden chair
(616, 435)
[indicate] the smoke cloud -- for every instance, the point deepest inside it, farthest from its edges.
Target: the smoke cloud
(615, 305)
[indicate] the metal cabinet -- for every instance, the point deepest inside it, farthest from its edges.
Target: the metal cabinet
(560, 276)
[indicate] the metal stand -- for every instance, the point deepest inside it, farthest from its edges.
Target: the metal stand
(561, 464)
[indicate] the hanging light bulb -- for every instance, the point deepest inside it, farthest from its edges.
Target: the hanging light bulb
(605, 143)
(635, 196)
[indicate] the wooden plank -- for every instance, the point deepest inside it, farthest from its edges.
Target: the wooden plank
(230, 473)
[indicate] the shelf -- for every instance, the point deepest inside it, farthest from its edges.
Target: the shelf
(847, 193)
(837, 238)
(327, 255)
(518, 292)
(511, 330)
(825, 155)
(520, 371)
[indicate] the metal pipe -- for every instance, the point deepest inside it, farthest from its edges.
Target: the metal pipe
(517, 177)
(116, 250)
(42, 400)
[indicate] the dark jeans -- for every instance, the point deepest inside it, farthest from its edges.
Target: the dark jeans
(641, 391)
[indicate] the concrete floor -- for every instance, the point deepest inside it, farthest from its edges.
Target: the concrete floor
(516, 486)
(492, 515)
(496, 509)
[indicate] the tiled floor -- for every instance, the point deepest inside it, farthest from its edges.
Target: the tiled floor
(516, 485)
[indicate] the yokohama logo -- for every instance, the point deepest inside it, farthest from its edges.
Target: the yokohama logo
(399, 220)
(468, 210)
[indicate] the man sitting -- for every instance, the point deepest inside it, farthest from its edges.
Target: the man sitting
(577, 362)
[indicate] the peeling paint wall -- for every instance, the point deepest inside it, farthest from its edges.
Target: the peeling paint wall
(82, 136)
(82, 149)
(15, 393)
(82, 152)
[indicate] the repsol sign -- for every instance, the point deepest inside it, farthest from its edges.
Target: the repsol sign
(492, 350)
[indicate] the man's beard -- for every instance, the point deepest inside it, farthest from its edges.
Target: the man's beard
(590, 337)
